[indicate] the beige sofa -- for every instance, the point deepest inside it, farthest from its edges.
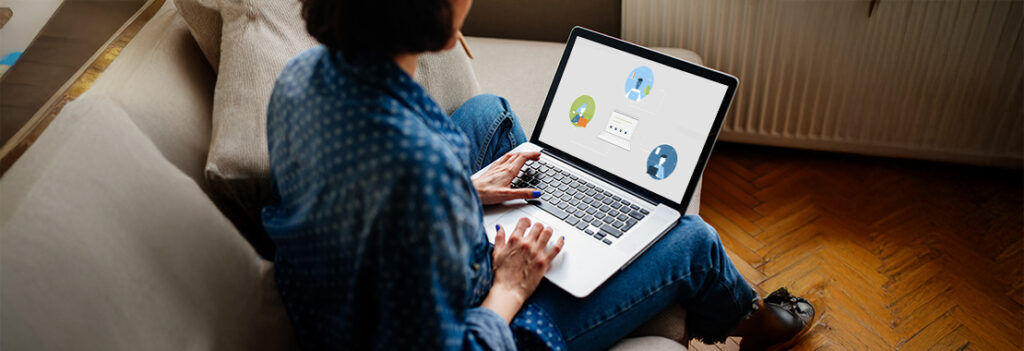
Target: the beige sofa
(109, 239)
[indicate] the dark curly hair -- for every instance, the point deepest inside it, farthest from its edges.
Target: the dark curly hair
(384, 27)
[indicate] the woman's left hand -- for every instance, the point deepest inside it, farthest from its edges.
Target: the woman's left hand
(494, 185)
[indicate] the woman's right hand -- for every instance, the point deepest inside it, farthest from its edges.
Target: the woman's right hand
(520, 262)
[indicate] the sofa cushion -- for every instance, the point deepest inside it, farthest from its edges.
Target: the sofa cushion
(105, 245)
(204, 23)
(163, 83)
(448, 77)
(258, 38)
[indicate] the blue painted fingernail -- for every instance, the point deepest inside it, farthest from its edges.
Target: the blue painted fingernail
(563, 237)
(497, 227)
(536, 194)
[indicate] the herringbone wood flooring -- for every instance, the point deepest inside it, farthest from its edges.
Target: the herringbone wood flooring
(894, 254)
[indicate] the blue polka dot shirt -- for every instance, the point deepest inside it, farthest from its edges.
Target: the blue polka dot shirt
(378, 228)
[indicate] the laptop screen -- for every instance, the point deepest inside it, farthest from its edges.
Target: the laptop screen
(640, 120)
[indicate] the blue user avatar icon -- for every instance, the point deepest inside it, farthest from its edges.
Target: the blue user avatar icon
(639, 83)
(661, 162)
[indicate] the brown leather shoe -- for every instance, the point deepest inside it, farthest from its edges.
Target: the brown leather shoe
(792, 317)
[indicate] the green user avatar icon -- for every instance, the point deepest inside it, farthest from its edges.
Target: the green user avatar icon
(582, 111)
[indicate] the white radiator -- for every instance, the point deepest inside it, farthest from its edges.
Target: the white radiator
(941, 80)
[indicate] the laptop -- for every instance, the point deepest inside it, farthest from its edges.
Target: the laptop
(624, 135)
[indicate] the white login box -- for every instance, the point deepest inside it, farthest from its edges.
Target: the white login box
(619, 130)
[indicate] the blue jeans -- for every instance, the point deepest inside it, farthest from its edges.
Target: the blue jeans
(688, 265)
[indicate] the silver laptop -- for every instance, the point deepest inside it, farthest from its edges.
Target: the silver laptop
(624, 135)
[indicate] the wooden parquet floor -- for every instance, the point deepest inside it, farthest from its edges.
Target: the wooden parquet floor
(894, 254)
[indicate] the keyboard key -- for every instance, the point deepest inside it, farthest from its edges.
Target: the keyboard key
(634, 207)
(600, 215)
(622, 217)
(588, 218)
(572, 220)
(616, 197)
(591, 211)
(574, 201)
(608, 219)
(589, 232)
(636, 215)
(555, 211)
(579, 195)
(607, 201)
(646, 212)
(597, 223)
(605, 208)
(616, 205)
(588, 185)
(573, 176)
(618, 224)
(599, 235)
(591, 192)
(581, 225)
(561, 205)
(611, 231)
(606, 242)
(629, 224)
(598, 197)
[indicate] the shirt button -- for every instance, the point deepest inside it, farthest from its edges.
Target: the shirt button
(476, 266)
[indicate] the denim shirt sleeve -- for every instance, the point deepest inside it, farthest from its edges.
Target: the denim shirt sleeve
(490, 329)
(429, 213)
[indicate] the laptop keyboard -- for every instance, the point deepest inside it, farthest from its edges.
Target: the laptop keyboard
(591, 209)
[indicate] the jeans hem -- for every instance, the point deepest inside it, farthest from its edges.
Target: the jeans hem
(491, 131)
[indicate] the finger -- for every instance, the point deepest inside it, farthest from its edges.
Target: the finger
(513, 194)
(521, 226)
(556, 248)
(545, 235)
(499, 237)
(517, 163)
(504, 158)
(535, 231)
(532, 155)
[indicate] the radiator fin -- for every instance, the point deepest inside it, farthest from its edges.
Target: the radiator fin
(927, 79)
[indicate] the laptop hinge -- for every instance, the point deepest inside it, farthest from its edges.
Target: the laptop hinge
(592, 174)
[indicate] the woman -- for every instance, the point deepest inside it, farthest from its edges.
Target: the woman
(378, 225)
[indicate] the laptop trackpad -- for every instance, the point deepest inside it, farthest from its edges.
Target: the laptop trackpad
(508, 220)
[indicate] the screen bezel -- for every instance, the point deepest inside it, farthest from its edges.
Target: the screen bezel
(719, 77)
